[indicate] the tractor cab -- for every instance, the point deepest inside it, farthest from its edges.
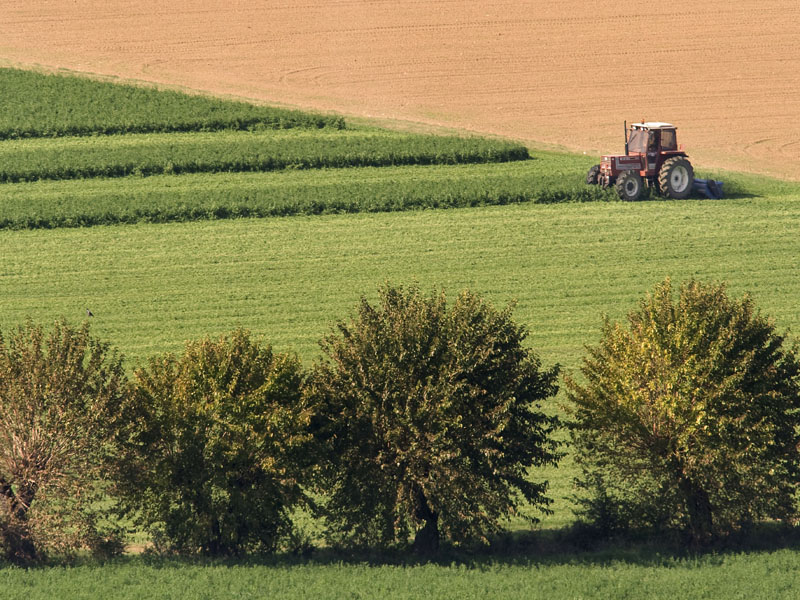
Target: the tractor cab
(645, 138)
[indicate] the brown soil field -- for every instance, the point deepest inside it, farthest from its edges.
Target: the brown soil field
(562, 74)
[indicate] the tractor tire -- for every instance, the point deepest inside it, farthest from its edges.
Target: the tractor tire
(629, 186)
(676, 178)
(591, 176)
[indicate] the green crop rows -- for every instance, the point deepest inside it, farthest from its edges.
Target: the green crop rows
(161, 199)
(41, 105)
(155, 154)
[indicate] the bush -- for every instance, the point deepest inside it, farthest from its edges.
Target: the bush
(430, 416)
(59, 399)
(688, 417)
(213, 455)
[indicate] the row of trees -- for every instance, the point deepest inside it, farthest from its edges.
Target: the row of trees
(422, 421)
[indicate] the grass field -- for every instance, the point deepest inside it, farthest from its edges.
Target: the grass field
(50, 204)
(49, 105)
(289, 279)
(527, 232)
(765, 575)
(239, 151)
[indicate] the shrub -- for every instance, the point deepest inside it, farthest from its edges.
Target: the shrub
(430, 416)
(688, 416)
(59, 395)
(213, 455)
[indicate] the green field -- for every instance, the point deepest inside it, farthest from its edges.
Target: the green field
(239, 151)
(51, 105)
(161, 199)
(767, 575)
(289, 279)
(160, 260)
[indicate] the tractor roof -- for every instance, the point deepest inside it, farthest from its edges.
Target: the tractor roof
(654, 125)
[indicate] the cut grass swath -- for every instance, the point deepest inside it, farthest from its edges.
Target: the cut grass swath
(153, 154)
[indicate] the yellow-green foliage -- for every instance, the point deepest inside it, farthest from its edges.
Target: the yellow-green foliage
(689, 415)
(214, 447)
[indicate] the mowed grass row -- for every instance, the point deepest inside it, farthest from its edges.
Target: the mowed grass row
(623, 576)
(159, 199)
(550, 178)
(153, 154)
(49, 105)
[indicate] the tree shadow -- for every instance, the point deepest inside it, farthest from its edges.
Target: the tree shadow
(576, 545)
(573, 546)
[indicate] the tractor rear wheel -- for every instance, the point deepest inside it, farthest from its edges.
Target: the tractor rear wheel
(676, 177)
(591, 176)
(629, 186)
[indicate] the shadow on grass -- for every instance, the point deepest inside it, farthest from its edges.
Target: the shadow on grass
(573, 546)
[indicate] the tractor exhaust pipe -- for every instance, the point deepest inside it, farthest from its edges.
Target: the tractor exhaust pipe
(625, 124)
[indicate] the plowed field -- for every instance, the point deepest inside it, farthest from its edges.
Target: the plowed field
(563, 73)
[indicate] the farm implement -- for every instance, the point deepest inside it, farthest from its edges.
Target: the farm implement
(652, 160)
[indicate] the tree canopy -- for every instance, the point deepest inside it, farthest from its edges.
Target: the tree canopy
(215, 447)
(688, 415)
(60, 393)
(431, 416)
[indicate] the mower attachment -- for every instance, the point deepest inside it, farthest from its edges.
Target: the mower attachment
(710, 188)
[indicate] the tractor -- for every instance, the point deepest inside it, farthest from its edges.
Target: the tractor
(652, 159)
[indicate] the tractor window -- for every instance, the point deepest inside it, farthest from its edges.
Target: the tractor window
(637, 142)
(668, 140)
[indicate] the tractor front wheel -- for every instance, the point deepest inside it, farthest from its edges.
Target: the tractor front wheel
(591, 176)
(676, 177)
(629, 186)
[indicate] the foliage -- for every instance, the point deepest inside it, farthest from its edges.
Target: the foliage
(50, 105)
(431, 417)
(59, 394)
(213, 454)
(689, 416)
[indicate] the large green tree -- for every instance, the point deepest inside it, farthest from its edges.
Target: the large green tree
(60, 393)
(431, 416)
(688, 416)
(215, 447)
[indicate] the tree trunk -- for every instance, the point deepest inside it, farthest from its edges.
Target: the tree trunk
(701, 525)
(16, 531)
(426, 542)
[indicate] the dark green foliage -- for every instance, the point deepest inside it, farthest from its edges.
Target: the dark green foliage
(119, 156)
(41, 105)
(431, 417)
(688, 416)
(59, 399)
(215, 446)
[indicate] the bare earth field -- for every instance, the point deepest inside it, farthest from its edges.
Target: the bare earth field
(552, 73)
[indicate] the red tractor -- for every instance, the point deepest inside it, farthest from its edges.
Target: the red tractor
(652, 158)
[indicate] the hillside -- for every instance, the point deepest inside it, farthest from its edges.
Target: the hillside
(562, 74)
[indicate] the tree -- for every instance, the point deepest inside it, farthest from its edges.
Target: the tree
(431, 417)
(688, 417)
(59, 395)
(214, 452)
